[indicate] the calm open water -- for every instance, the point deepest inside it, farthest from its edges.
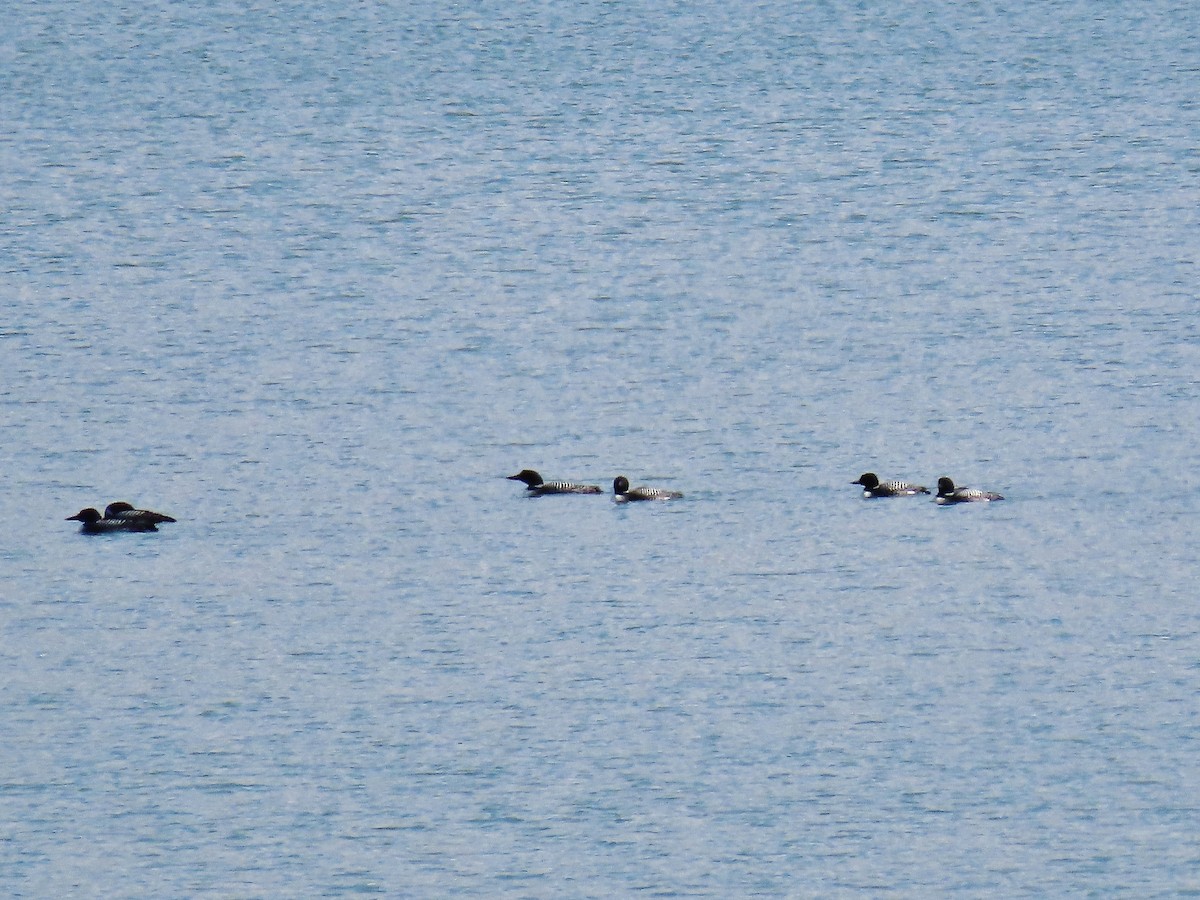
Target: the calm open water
(314, 277)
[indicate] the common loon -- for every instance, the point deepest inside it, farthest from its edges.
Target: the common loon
(535, 487)
(873, 487)
(623, 493)
(948, 493)
(119, 516)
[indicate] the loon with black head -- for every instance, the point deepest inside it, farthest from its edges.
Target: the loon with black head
(873, 487)
(948, 493)
(623, 493)
(536, 487)
(119, 516)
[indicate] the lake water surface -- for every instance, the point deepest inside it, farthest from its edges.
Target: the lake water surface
(313, 278)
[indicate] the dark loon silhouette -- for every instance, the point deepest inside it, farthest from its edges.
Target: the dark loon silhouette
(948, 493)
(623, 493)
(873, 487)
(119, 516)
(535, 487)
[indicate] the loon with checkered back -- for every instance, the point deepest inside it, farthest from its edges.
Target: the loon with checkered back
(873, 487)
(948, 493)
(536, 487)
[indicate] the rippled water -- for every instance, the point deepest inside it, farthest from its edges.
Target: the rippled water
(313, 278)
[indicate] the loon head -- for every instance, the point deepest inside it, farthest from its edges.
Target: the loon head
(620, 485)
(945, 486)
(530, 477)
(868, 480)
(87, 516)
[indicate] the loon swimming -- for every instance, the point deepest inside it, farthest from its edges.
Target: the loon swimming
(535, 487)
(119, 516)
(623, 493)
(948, 493)
(873, 487)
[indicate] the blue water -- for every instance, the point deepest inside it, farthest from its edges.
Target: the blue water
(313, 277)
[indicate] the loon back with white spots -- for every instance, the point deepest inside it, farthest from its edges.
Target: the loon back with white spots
(121, 520)
(123, 511)
(623, 493)
(873, 487)
(948, 493)
(536, 487)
